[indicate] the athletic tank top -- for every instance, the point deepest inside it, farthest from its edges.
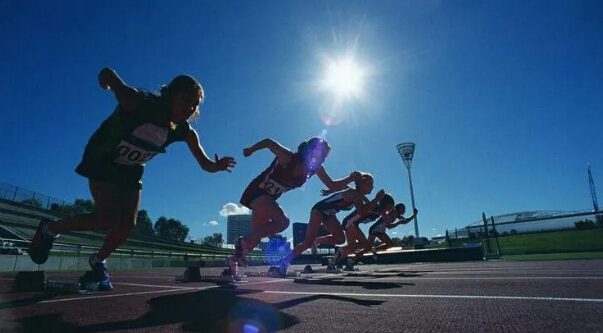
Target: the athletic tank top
(134, 138)
(355, 218)
(278, 179)
(334, 204)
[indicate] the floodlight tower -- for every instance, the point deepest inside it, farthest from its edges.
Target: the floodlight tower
(593, 193)
(406, 151)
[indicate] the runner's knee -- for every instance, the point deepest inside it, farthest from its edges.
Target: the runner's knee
(127, 224)
(339, 237)
(282, 222)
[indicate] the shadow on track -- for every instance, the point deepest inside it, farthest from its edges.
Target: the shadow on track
(214, 310)
(366, 284)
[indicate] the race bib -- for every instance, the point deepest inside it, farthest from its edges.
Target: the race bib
(129, 154)
(273, 188)
(145, 143)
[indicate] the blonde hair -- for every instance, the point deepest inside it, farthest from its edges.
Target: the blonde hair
(185, 84)
(365, 177)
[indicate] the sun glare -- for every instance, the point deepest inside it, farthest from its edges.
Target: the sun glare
(344, 78)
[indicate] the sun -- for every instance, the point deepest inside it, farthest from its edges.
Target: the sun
(344, 78)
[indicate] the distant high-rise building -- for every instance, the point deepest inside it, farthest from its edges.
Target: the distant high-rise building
(237, 225)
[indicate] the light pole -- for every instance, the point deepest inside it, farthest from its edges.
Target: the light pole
(406, 151)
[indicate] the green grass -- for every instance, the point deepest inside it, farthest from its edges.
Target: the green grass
(554, 241)
(554, 256)
(545, 242)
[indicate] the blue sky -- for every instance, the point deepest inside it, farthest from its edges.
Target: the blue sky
(502, 98)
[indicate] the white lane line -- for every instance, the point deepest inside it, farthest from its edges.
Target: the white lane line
(171, 289)
(515, 298)
(526, 271)
(151, 285)
(403, 278)
(116, 295)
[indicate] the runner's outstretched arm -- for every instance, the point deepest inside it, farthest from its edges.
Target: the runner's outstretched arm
(336, 185)
(219, 164)
(403, 220)
(283, 154)
(363, 209)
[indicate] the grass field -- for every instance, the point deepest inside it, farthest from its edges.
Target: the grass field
(554, 241)
(554, 256)
(552, 245)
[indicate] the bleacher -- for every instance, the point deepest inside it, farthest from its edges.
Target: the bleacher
(22, 219)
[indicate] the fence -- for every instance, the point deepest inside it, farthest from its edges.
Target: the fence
(19, 194)
(75, 257)
(62, 251)
(534, 233)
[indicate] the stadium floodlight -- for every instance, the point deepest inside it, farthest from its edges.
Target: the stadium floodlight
(407, 151)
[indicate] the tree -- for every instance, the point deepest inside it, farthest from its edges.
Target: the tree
(585, 225)
(80, 206)
(171, 229)
(144, 224)
(397, 241)
(83, 206)
(214, 240)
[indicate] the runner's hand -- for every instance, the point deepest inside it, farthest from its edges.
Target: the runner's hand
(224, 163)
(247, 152)
(105, 78)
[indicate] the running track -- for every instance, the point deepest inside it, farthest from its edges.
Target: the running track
(548, 296)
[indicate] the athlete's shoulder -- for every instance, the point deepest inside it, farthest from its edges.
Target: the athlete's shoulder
(335, 196)
(183, 126)
(351, 194)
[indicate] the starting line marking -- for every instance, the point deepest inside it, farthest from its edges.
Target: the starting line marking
(169, 289)
(514, 298)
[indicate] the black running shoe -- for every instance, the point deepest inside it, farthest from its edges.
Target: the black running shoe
(41, 244)
(102, 272)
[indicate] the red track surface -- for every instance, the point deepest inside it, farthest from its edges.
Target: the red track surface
(556, 296)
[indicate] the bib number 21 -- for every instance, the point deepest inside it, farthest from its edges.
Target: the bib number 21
(274, 188)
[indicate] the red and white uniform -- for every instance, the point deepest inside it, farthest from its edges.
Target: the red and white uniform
(274, 181)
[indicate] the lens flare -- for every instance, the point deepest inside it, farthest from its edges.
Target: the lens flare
(253, 316)
(276, 250)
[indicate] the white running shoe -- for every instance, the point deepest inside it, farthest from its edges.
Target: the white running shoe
(232, 264)
(241, 252)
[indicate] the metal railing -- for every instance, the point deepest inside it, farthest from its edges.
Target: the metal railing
(19, 194)
(44, 202)
(559, 233)
(65, 249)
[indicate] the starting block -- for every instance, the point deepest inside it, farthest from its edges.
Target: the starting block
(193, 274)
(37, 281)
(273, 272)
(309, 270)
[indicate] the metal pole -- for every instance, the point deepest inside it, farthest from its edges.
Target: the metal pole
(412, 199)
(406, 151)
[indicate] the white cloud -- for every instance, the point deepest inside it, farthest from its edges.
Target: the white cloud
(233, 209)
(439, 235)
(214, 223)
